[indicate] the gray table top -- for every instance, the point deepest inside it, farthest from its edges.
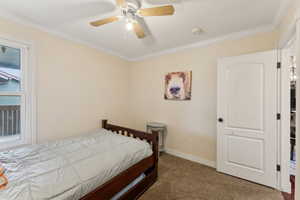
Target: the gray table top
(156, 125)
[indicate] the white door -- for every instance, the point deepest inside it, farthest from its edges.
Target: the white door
(247, 112)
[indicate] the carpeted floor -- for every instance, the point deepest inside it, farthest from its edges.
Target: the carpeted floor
(180, 179)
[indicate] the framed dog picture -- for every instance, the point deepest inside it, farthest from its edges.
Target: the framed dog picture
(178, 86)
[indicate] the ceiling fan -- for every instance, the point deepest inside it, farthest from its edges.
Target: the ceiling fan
(131, 11)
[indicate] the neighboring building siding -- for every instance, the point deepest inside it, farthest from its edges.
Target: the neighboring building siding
(11, 85)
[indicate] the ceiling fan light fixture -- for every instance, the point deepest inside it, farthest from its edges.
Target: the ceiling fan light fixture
(129, 26)
(131, 11)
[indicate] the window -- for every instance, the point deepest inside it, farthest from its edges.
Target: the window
(16, 99)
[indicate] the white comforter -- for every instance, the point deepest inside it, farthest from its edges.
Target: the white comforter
(70, 168)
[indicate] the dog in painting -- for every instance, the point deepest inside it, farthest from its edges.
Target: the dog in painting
(175, 86)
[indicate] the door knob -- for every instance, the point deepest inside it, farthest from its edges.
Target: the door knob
(220, 120)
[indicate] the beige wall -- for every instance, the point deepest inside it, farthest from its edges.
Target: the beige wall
(191, 124)
(76, 85)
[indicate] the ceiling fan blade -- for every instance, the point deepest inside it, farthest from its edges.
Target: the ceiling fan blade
(121, 3)
(104, 21)
(138, 29)
(157, 11)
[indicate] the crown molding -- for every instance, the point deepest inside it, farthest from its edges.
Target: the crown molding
(18, 20)
(290, 32)
(284, 6)
(232, 36)
(298, 14)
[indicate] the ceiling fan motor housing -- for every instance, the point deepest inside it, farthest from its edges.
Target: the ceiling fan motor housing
(130, 11)
(134, 4)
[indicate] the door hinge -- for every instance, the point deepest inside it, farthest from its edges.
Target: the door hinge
(278, 168)
(278, 65)
(278, 116)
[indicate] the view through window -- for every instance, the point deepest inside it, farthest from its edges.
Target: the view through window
(10, 92)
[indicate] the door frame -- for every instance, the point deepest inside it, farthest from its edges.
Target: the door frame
(287, 37)
(284, 151)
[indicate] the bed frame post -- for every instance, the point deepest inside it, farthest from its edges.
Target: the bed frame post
(104, 123)
(155, 151)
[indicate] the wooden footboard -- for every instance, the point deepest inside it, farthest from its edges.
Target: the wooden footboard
(149, 166)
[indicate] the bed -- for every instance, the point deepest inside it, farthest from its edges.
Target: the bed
(98, 165)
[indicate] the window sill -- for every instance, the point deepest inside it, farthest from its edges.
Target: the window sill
(9, 142)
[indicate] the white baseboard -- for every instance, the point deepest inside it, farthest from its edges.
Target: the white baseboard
(191, 158)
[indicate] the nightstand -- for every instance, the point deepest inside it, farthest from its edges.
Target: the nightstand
(162, 131)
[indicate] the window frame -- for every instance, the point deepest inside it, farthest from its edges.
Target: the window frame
(26, 93)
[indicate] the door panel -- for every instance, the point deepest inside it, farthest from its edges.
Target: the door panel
(247, 103)
(240, 89)
(252, 159)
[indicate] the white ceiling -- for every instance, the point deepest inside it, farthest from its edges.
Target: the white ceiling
(216, 17)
